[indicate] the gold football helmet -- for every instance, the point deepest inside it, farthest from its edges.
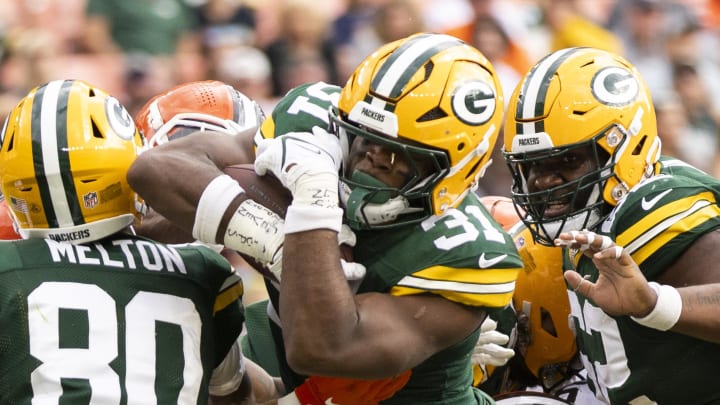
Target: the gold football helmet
(430, 97)
(207, 105)
(575, 98)
(545, 341)
(66, 149)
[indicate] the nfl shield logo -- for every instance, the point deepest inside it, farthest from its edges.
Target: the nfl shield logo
(90, 199)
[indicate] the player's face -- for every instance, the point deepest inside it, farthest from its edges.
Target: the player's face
(391, 166)
(556, 171)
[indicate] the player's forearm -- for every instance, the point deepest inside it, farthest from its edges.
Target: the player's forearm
(317, 308)
(171, 184)
(700, 316)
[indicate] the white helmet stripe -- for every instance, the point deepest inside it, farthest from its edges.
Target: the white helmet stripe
(534, 92)
(50, 153)
(403, 63)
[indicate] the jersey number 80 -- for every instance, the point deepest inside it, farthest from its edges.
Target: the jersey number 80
(93, 363)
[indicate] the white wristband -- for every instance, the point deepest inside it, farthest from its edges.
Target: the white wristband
(228, 375)
(255, 231)
(301, 218)
(667, 308)
(214, 201)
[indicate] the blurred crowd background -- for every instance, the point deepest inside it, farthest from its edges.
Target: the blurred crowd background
(137, 48)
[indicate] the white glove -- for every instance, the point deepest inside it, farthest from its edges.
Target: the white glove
(488, 349)
(307, 164)
(353, 271)
(296, 154)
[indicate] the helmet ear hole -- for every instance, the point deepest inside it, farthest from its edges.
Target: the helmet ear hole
(434, 114)
(638, 149)
(11, 141)
(97, 133)
(546, 322)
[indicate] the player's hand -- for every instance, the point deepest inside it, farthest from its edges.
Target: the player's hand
(299, 154)
(490, 349)
(346, 239)
(345, 391)
(307, 164)
(621, 287)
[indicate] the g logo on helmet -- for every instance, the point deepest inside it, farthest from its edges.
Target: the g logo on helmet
(615, 86)
(119, 119)
(474, 103)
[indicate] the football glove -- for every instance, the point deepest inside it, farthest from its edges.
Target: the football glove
(307, 164)
(489, 349)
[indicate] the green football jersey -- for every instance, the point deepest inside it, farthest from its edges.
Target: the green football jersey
(629, 363)
(123, 320)
(463, 255)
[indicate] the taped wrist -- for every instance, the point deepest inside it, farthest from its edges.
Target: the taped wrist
(214, 202)
(255, 231)
(667, 308)
(315, 204)
(227, 376)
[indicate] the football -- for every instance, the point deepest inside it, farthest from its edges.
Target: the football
(264, 190)
(271, 194)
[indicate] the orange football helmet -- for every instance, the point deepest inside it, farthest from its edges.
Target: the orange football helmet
(502, 209)
(208, 105)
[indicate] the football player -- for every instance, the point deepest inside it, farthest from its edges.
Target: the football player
(543, 342)
(90, 311)
(213, 107)
(581, 143)
(414, 127)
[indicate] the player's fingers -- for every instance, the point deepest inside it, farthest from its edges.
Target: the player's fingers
(589, 239)
(577, 282)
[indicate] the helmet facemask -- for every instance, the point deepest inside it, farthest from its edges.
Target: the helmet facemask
(584, 194)
(370, 203)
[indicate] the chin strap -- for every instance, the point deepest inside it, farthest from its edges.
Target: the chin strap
(372, 205)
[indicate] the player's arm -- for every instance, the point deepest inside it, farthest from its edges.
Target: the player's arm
(230, 383)
(183, 181)
(685, 299)
(329, 331)
(171, 177)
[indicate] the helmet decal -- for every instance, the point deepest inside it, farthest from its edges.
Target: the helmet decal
(615, 86)
(474, 103)
(119, 119)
